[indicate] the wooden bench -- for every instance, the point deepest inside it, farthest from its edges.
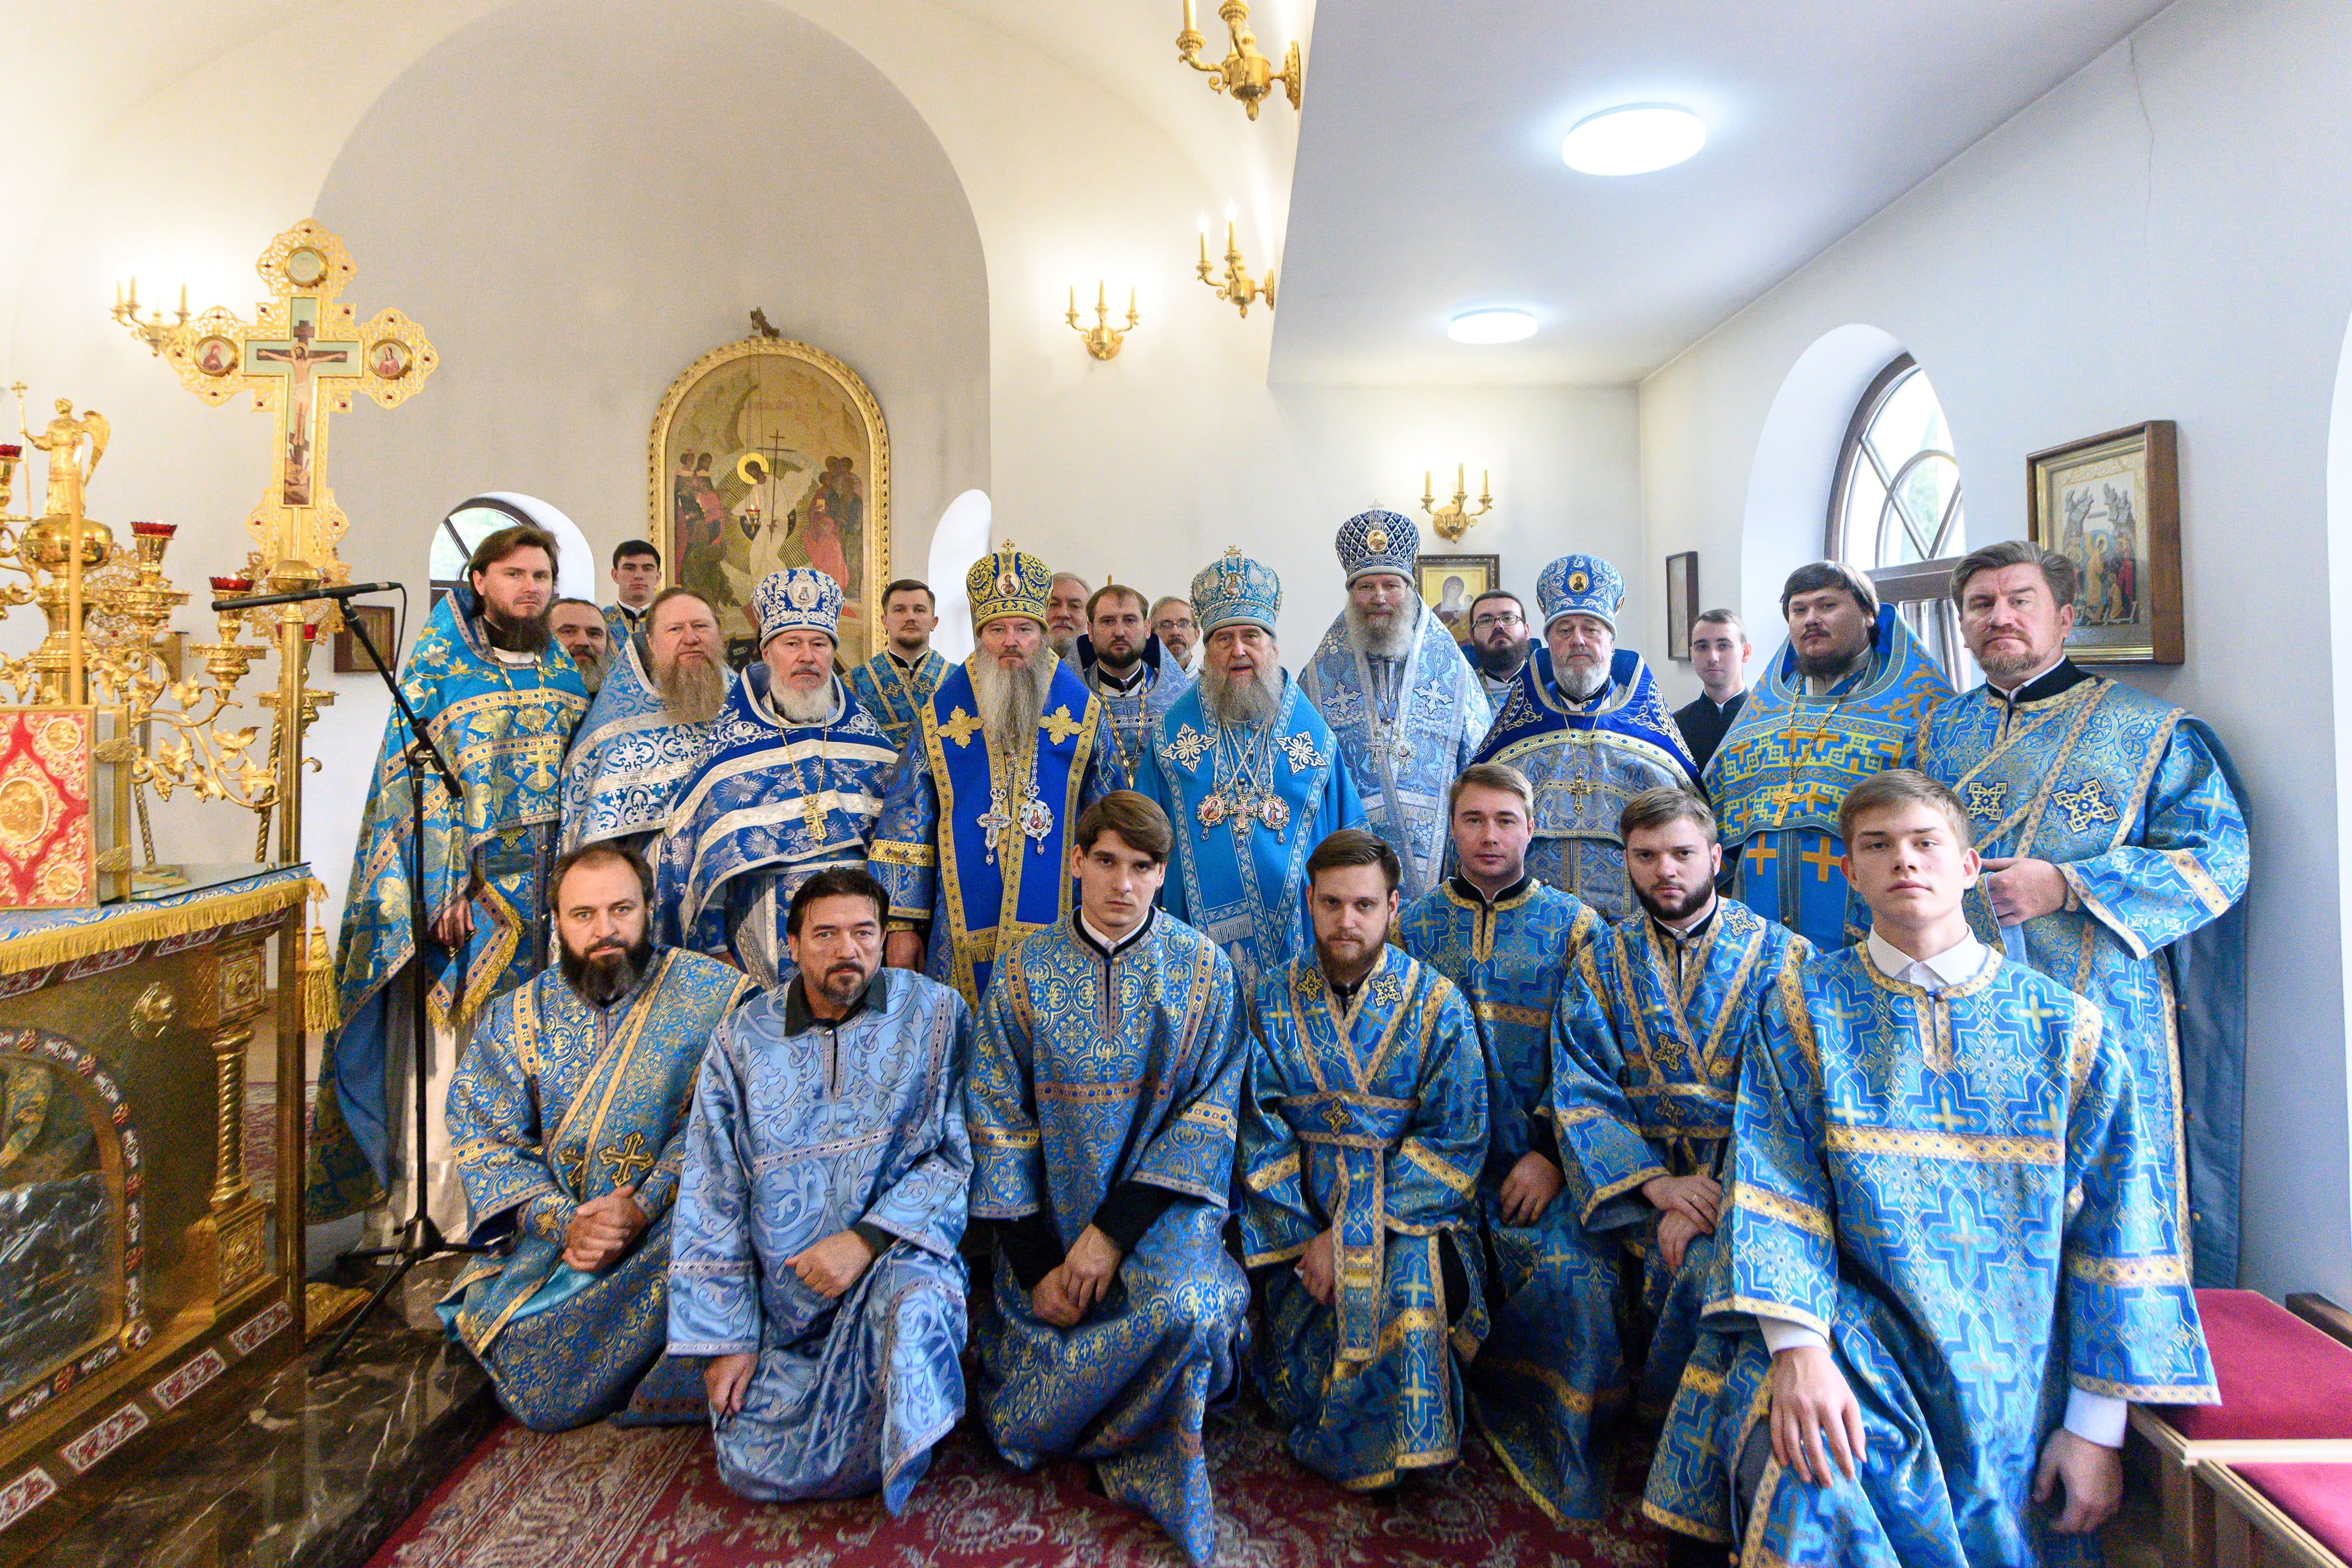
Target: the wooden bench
(2286, 1398)
(2291, 1515)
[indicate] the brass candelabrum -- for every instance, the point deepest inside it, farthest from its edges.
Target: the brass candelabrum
(1454, 520)
(1244, 73)
(1238, 289)
(1102, 340)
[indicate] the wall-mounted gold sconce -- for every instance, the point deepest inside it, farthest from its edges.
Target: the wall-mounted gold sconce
(1246, 74)
(1454, 520)
(1102, 340)
(1238, 289)
(154, 331)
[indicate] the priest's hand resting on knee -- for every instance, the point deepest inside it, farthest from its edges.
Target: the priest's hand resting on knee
(903, 950)
(1696, 1199)
(602, 1230)
(1315, 1269)
(2092, 1476)
(726, 1378)
(831, 1266)
(2023, 890)
(1815, 1417)
(1528, 1190)
(1676, 1231)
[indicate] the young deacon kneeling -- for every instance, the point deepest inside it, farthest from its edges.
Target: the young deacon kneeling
(1945, 1271)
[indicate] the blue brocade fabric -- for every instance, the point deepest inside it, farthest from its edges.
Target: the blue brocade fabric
(892, 696)
(740, 843)
(557, 1102)
(2135, 802)
(1586, 760)
(1787, 764)
(1546, 1362)
(1371, 1125)
(503, 730)
(1402, 763)
(1238, 879)
(1134, 716)
(970, 883)
(630, 759)
(1960, 1191)
(796, 1137)
(1088, 1072)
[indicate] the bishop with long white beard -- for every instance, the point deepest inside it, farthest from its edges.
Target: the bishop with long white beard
(1405, 705)
(649, 727)
(1005, 753)
(1249, 775)
(791, 786)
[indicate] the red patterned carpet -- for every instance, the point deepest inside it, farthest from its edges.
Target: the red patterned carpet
(606, 1497)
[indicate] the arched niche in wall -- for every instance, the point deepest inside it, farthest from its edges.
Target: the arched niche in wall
(1795, 464)
(578, 198)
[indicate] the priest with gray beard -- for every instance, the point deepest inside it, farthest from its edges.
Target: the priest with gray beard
(1250, 776)
(790, 784)
(649, 727)
(1403, 703)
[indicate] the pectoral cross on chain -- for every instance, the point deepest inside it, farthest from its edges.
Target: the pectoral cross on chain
(1002, 828)
(1581, 787)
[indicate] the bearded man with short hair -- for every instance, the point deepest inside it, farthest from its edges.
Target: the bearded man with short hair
(791, 783)
(500, 702)
(1122, 663)
(649, 727)
(1011, 746)
(579, 628)
(1403, 703)
(1249, 776)
(568, 1117)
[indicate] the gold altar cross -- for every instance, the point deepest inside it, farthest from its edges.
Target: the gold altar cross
(303, 355)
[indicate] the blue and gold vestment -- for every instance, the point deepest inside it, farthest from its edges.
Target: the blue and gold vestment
(1958, 1190)
(1407, 728)
(892, 695)
(1646, 1074)
(503, 728)
(1786, 765)
(557, 1102)
(1586, 760)
(1508, 958)
(741, 838)
(2135, 802)
(630, 758)
(974, 846)
(1091, 1072)
(1240, 874)
(1132, 716)
(1370, 1125)
(801, 1131)
(620, 623)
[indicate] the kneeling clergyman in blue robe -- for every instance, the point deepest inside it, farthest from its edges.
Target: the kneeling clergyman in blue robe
(2127, 810)
(1941, 1236)
(1363, 1131)
(567, 1121)
(814, 1260)
(791, 786)
(1250, 776)
(1506, 940)
(1654, 1021)
(1107, 1063)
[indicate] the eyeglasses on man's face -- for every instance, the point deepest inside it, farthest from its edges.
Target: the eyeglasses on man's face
(1496, 618)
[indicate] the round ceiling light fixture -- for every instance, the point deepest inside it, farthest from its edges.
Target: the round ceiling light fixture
(1491, 327)
(1637, 139)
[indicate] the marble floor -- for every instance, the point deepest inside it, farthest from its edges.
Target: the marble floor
(317, 1472)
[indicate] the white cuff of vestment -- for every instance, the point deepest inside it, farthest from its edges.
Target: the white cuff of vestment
(1780, 1334)
(2096, 1417)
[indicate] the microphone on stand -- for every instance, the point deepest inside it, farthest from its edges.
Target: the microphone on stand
(346, 591)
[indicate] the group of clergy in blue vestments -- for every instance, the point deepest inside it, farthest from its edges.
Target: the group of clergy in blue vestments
(1862, 1108)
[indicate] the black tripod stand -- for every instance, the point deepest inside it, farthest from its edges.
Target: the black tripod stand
(420, 1238)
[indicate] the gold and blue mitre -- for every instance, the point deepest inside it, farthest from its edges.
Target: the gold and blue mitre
(1007, 581)
(1379, 541)
(798, 598)
(1236, 591)
(1580, 585)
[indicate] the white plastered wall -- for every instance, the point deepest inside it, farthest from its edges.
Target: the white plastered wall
(2168, 234)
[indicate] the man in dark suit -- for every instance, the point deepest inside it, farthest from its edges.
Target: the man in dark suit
(1719, 658)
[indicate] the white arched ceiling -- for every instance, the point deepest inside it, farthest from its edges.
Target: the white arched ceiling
(1795, 468)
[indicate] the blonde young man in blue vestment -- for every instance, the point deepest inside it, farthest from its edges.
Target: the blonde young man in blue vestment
(2117, 864)
(1655, 1018)
(1363, 1130)
(1107, 1063)
(1505, 941)
(1944, 1272)
(815, 1262)
(567, 1122)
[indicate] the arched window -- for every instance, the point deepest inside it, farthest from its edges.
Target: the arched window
(1895, 510)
